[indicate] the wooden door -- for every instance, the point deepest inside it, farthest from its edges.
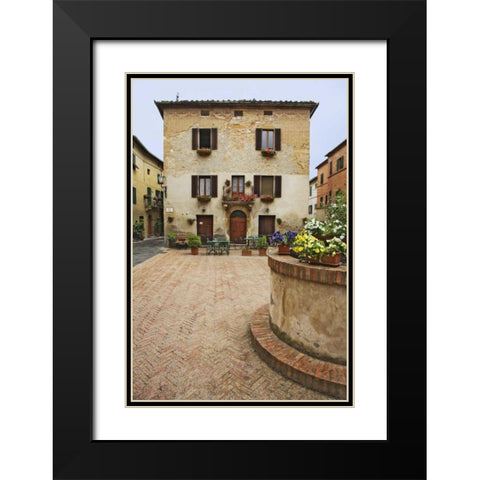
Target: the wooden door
(205, 227)
(150, 226)
(266, 225)
(238, 227)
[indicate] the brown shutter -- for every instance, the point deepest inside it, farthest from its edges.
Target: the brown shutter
(214, 186)
(256, 184)
(278, 186)
(258, 139)
(214, 138)
(194, 185)
(278, 140)
(194, 138)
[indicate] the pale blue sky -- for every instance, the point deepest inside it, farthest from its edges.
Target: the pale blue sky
(328, 125)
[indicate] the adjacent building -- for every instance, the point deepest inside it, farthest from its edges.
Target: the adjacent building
(236, 168)
(332, 175)
(312, 197)
(147, 191)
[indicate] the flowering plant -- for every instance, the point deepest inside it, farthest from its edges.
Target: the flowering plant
(283, 239)
(266, 198)
(268, 151)
(316, 228)
(241, 197)
(308, 246)
(204, 198)
(335, 246)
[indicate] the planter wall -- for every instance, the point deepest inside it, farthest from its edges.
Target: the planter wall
(308, 307)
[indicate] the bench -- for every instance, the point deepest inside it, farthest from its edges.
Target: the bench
(181, 241)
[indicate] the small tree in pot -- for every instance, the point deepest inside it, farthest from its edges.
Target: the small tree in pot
(194, 242)
(262, 246)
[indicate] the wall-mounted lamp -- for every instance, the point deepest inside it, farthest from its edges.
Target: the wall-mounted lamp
(161, 178)
(267, 210)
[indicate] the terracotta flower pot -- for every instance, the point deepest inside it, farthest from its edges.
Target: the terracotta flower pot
(194, 250)
(262, 252)
(246, 253)
(331, 260)
(283, 249)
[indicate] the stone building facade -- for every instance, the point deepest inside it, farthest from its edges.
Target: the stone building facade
(147, 192)
(220, 154)
(312, 197)
(332, 175)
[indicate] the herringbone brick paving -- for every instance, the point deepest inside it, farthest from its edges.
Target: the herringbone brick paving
(190, 338)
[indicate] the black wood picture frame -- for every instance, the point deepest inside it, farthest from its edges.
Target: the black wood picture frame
(77, 24)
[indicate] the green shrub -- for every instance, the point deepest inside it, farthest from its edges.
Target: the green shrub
(194, 241)
(262, 243)
(138, 228)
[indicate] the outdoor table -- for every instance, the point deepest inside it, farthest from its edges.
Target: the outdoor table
(252, 241)
(218, 246)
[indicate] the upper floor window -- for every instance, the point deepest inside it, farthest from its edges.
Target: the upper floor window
(310, 209)
(238, 184)
(134, 161)
(340, 163)
(204, 185)
(331, 168)
(204, 138)
(321, 179)
(134, 195)
(205, 113)
(310, 190)
(267, 139)
(267, 185)
(238, 113)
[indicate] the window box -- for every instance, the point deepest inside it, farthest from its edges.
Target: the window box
(204, 198)
(269, 152)
(266, 198)
(204, 152)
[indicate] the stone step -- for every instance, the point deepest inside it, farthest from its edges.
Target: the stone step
(322, 376)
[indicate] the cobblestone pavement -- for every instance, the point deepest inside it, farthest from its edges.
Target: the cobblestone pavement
(146, 249)
(191, 338)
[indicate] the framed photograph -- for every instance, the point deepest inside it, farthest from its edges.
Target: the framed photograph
(161, 355)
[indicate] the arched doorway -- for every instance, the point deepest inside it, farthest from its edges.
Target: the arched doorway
(238, 227)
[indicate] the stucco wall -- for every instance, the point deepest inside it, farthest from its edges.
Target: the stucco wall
(308, 307)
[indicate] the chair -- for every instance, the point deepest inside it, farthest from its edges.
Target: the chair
(223, 245)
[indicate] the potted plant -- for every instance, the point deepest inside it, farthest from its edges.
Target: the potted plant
(268, 152)
(332, 253)
(283, 241)
(191, 221)
(246, 251)
(204, 151)
(308, 248)
(171, 240)
(248, 183)
(279, 221)
(170, 219)
(194, 242)
(137, 230)
(262, 246)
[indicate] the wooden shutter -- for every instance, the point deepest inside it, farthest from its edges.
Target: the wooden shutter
(278, 139)
(214, 186)
(194, 185)
(256, 184)
(258, 139)
(194, 138)
(214, 138)
(278, 186)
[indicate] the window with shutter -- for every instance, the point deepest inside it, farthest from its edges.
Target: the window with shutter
(194, 185)
(321, 179)
(204, 138)
(238, 184)
(278, 186)
(331, 168)
(256, 184)
(205, 185)
(214, 181)
(134, 196)
(268, 139)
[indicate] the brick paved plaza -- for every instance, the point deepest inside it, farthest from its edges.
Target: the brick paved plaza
(191, 340)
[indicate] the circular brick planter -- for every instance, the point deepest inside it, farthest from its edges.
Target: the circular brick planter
(308, 307)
